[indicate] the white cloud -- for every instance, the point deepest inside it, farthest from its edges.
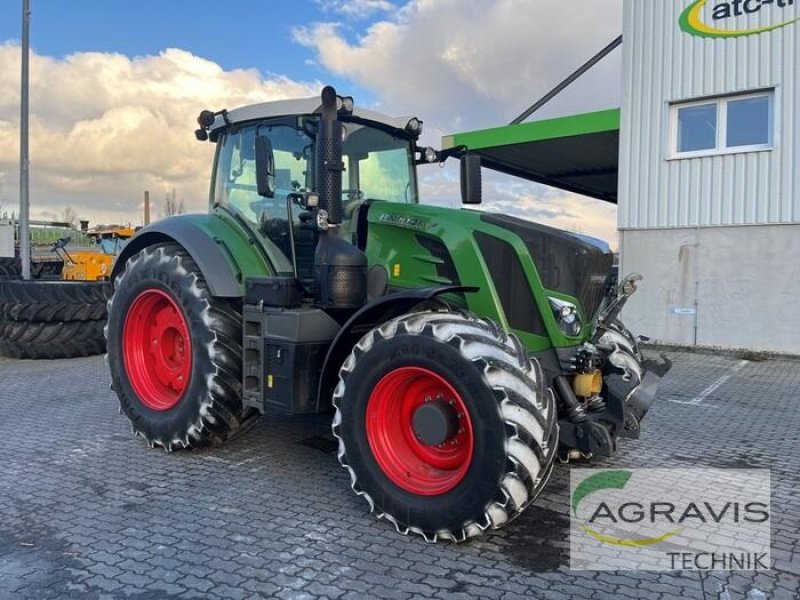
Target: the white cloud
(513, 196)
(357, 9)
(105, 127)
(473, 63)
(469, 64)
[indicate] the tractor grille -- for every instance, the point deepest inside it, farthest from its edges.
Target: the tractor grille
(511, 284)
(572, 264)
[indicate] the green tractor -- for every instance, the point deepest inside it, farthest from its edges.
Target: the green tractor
(459, 351)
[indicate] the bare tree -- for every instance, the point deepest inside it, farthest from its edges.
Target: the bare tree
(172, 205)
(69, 216)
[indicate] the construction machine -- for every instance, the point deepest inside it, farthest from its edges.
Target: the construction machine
(459, 351)
(93, 264)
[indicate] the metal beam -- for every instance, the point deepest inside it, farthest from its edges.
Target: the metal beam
(561, 86)
(24, 160)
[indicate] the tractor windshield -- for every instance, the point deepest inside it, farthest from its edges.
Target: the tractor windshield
(378, 166)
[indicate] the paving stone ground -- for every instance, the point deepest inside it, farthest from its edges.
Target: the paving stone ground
(88, 511)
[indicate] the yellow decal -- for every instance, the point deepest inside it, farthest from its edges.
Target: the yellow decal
(269, 381)
(396, 270)
(609, 539)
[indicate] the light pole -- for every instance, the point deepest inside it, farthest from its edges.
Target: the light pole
(24, 162)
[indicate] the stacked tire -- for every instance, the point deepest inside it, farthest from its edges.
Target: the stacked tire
(52, 319)
(9, 268)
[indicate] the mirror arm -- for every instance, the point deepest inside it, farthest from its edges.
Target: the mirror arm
(454, 152)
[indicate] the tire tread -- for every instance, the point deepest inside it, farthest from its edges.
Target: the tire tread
(508, 371)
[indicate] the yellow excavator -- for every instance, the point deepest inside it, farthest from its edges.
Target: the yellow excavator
(94, 264)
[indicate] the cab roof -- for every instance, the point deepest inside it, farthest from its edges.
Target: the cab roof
(299, 106)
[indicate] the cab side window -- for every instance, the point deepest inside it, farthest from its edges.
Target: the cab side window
(235, 182)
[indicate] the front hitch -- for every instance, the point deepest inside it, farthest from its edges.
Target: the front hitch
(630, 400)
(629, 383)
(629, 386)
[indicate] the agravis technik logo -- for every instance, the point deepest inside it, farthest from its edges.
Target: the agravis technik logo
(667, 519)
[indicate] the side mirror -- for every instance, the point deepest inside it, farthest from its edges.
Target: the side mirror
(471, 179)
(265, 167)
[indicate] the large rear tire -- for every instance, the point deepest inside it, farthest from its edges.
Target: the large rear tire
(444, 424)
(174, 351)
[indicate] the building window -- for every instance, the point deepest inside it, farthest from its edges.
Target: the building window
(724, 125)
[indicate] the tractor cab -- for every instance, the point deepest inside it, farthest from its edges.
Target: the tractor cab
(378, 156)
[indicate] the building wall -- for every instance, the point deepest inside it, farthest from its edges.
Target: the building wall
(663, 64)
(716, 238)
(728, 287)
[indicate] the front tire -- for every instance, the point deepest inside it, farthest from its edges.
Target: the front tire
(444, 424)
(174, 351)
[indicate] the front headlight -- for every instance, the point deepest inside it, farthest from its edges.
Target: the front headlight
(566, 313)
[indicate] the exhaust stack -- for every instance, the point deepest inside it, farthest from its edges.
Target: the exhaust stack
(329, 157)
(340, 268)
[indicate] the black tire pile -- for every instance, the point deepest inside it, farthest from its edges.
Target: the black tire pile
(9, 268)
(52, 319)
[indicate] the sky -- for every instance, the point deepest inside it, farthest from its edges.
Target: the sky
(116, 87)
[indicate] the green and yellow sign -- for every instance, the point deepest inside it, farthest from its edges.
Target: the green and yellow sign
(694, 21)
(605, 480)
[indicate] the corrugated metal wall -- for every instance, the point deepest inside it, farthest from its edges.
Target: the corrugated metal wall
(663, 64)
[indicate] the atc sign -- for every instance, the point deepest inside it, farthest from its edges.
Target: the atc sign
(716, 23)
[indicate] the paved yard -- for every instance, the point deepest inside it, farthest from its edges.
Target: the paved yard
(88, 511)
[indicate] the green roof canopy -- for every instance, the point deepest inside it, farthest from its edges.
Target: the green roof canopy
(577, 153)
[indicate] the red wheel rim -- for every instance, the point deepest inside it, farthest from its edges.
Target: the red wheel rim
(427, 470)
(157, 350)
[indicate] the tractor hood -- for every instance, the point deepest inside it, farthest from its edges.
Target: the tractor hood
(571, 265)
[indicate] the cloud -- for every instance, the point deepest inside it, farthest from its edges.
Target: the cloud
(475, 63)
(469, 64)
(513, 196)
(105, 127)
(357, 9)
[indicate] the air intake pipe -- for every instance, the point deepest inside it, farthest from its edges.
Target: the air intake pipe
(340, 269)
(329, 157)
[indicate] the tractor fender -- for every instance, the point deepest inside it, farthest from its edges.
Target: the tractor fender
(222, 275)
(369, 316)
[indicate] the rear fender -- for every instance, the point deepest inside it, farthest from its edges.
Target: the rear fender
(225, 254)
(368, 317)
